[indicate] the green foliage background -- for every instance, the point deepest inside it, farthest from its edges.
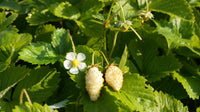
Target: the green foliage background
(161, 72)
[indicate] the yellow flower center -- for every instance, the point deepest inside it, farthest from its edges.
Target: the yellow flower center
(75, 63)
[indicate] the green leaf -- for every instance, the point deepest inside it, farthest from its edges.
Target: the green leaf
(150, 58)
(91, 28)
(35, 107)
(39, 53)
(170, 86)
(168, 103)
(123, 59)
(87, 23)
(10, 44)
(190, 83)
(10, 4)
(6, 106)
(198, 109)
(197, 22)
(135, 94)
(40, 16)
(179, 33)
(189, 78)
(40, 84)
(61, 41)
(179, 8)
(43, 33)
(95, 43)
(105, 102)
(89, 8)
(65, 10)
(10, 77)
(6, 55)
(5, 21)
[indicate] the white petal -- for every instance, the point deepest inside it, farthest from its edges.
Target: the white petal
(82, 66)
(67, 64)
(70, 56)
(74, 70)
(81, 57)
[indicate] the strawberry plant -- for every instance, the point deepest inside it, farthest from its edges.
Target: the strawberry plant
(99, 55)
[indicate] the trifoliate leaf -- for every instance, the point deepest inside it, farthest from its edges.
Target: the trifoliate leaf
(40, 84)
(40, 16)
(65, 10)
(61, 41)
(35, 107)
(11, 77)
(149, 60)
(43, 33)
(178, 8)
(39, 53)
(168, 103)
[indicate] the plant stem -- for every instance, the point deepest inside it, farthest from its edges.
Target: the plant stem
(147, 5)
(122, 11)
(104, 41)
(135, 33)
(104, 57)
(27, 96)
(93, 57)
(77, 102)
(114, 43)
(73, 46)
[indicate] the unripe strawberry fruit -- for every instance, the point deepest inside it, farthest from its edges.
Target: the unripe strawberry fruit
(114, 77)
(94, 82)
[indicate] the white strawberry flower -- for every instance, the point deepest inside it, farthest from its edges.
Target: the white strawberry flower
(75, 62)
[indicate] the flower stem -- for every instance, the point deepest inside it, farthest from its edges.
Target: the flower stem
(77, 103)
(73, 46)
(104, 41)
(27, 96)
(147, 5)
(114, 43)
(122, 11)
(93, 57)
(136, 33)
(104, 57)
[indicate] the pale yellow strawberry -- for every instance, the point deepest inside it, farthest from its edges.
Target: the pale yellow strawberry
(114, 77)
(94, 82)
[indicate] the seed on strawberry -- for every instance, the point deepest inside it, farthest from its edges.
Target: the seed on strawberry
(114, 77)
(94, 82)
